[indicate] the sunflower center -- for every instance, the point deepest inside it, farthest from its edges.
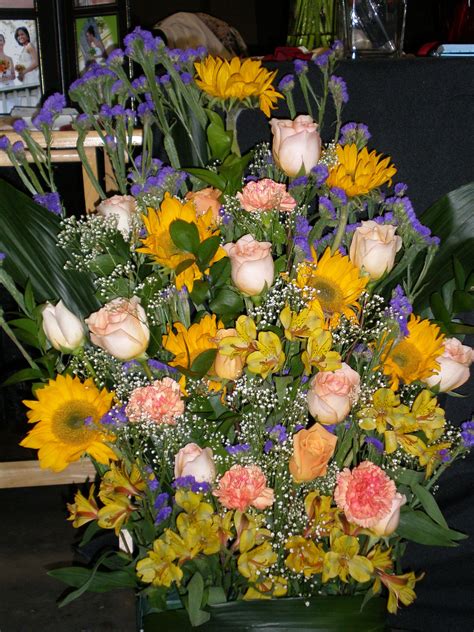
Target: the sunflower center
(68, 421)
(329, 296)
(407, 357)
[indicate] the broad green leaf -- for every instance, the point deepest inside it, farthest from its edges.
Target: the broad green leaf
(200, 291)
(103, 265)
(462, 302)
(459, 274)
(185, 235)
(408, 477)
(208, 177)
(203, 362)
(23, 376)
(207, 250)
(430, 505)
(195, 594)
(418, 527)
(220, 272)
(28, 234)
(220, 140)
(226, 302)
(215, 595)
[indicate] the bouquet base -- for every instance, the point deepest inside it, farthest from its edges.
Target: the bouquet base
(323, 614)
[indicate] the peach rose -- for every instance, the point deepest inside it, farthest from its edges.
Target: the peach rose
(373, 248)
(266, 195)
(453, 366)
(252, 264)
(160, 402)
(227, 367)
(244, 486)
(296, 144)
(206, 199)
(312, 450)
(120, 328)
(366, 495)
(195, 461)
(332, 394)
(122, 207)
(386, 526)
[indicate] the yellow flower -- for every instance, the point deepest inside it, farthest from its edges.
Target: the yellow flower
(400, 589)
(343, 560)
(302, 324)
(380, 414)
(83, 510)
(67, 415)
(249, 531)
(118, 481)
(429, 416)
(200, 534)
(335, 281)
(237, 80)
(117, 510)
(305, 557)
(157, 567)
(318, 353)
(251, 563)
(269, 357)
(321, 516)
(358, 172)
(271, 587)
(160, 246)
(187, 344)
(414, 357)
(243, 343)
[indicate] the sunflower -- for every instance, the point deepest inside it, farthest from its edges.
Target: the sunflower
(187, 344)
(414, 357)
(160, 246)
(67, 415)
(238, 80)
(358, 172)
(335, 282)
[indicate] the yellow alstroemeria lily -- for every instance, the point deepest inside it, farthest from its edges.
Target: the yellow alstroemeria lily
(271, 587)
(318, 353)
(269, 357)
(192, 502)
(429, 416)
(118, 481)
(249, 531)
(114, 514)
(400, 589)
(199, 535)
(305, 556)
(303, 323)
(83, 510)
(378, 416)
(244, 342)
(429, 456)
(157, 567)
(343, 560)
(321, 516)
(253, 562)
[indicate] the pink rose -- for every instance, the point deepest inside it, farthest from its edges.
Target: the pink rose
(195, 461)
(266, 195)
(368, 497)
(120, 328)
(160, 402)
(123, 207)
(373, 248)
(244, 486)
(206, 199)
(453, 366)
(296, 144)
(332, 394)
(252, 264)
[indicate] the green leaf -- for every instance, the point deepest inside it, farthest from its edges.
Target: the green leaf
(220, 140)
(207, 250)
(408, 477)
(215, 595)
(462, 302)
(418, 527)
(23, 376)
(28, 233)
(195, 594)
(30, 303)
(208, 177)
(459, 274)
(185, 235)
(438, 307)
(203, 362)
(200, 291)
(227, 302)
(220, 272)
(430, 505)
(103, 265)
(26, 324)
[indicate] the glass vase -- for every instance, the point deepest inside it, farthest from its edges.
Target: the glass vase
(311, 23)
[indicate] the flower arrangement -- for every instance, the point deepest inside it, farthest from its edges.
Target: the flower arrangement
(234, 344)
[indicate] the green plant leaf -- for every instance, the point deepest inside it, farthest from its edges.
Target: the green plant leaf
(429, 505)
(185, 235)
(195, 595)
(418, 527)
(200, 291)
(207, 250)
(208, 177)
(103, 265)
(459, 274)
(220, 272)
(23, 375)
(220, 140)
(227, 302)
(203, 362)
(462, 302)
(28, 235)
(215, 595)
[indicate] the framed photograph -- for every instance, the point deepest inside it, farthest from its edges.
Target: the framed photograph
(96, 38)
(91, 3)
(20, 74)
(17, 4)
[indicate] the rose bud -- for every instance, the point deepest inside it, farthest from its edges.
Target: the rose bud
(252, 264)
(373, 248)
(332, 394)
(63, 329)
(453, 366)
(123, 207)
(195, 461)
(296, 144)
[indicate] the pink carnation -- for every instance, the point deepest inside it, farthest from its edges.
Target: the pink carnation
(266, 195)
(243, 486)
(365, 494)
(160, 402)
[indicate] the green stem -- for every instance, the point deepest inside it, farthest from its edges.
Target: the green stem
(231, 126)
(341, 228)
(6, 328)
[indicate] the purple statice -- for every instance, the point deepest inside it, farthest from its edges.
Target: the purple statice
(88, 422)
(327, 206)
(156, 365)
(338, 89)
(354, 134)
(301, 181)
(189, 482)
(136, 189)
(237, 449)
(278, 433)
(83, 121)
(403, 206)
(201, 51)
(106, 111)
(51, 201)
(77, 84)
(117, 86)
(376, 443)
(116, 416)
(55, 103)
(299, 427)
(4, 143)
(164, 80)
(301, 66)
(330, 428)
(141, 38)
(268, 446)
(110, 142)
(400, 309)
(139, 83)
(387, 218)
(287, 83)
(339, 194)
(225, 217)
(18, 148)
(115, 57)
(467, 434)
(400, 189)
(186, 78)
(19, 126)
(44, 117)
(302, 230)
(2, 256)
(322, 60)
(320, 173)
(337, 47)
(444, 455)
(163, 510)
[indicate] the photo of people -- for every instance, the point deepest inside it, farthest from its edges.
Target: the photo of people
(92, 3)
(96, 38)
(19, 65)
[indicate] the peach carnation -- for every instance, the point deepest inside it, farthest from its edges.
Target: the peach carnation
(266, 195)
(365, 494)
(243, 486)
(160, 402)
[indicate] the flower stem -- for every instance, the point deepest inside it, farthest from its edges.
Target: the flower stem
(341, 228)
(231, 126)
